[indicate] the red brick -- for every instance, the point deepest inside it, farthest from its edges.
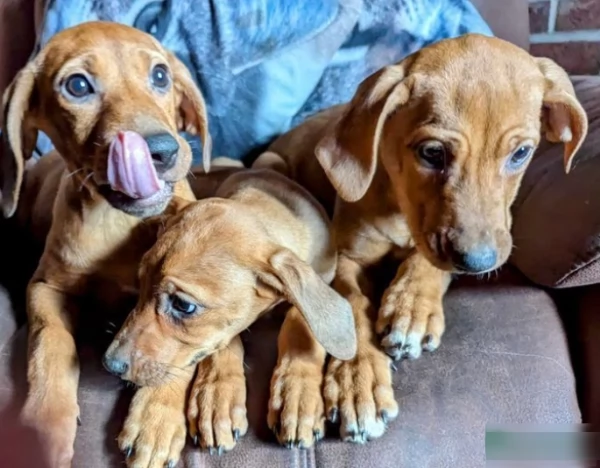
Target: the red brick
(578, 14)
(577, 58)
(538, 16)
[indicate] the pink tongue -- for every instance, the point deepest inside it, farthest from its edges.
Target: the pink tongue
(130, 168)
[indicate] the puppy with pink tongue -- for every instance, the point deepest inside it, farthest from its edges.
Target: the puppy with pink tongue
(134, 185)
(130, 166)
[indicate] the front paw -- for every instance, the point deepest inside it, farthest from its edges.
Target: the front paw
(154, 432)
(296, 408)
(359, 394)
(217, 407)
(410, 321)
(56, 424)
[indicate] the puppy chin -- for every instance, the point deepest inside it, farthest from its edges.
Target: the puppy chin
(148, 373)
(140, 208)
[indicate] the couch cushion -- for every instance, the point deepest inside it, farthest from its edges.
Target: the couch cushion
(504, 359)
(556, 227)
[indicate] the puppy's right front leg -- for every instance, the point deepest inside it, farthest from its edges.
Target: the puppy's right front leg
(359, 392)
(53, 372)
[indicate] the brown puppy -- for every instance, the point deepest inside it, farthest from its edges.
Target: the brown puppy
(219, 264)
(112, 100)
(426, 161)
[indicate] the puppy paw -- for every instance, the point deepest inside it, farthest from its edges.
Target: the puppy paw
(410, 321)
(217, 406)
(359, 394)
(296, 408)
(56, 424)
(154, 432)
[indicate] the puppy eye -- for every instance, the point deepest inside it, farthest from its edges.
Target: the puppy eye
(432, 155)
(519, 157)
(78, 86)
(160, 77)
(182, 306)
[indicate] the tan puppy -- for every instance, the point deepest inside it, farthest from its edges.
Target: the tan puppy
(426, 161)
(218, 265)
(112, 100)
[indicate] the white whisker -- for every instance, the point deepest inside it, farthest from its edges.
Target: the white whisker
(86, 178)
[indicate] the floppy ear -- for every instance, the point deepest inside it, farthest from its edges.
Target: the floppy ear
(348, 153)
(563, 118)
(18, 136)
(193, 113)
(328, 314)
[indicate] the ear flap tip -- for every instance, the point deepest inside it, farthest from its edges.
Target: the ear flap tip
(8, 210)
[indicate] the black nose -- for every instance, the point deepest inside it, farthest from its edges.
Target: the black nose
(163, 148)
(476, 260)
(115, 366)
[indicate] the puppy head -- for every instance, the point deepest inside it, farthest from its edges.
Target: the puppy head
(112, 100)
(210, 275)
(453, 128)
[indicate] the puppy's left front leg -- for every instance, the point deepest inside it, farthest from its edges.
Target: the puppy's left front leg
(296, 407)
(217, 404)
(411, 316)
(154, 432)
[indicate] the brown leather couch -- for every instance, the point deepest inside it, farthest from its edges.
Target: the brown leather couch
(514, 352)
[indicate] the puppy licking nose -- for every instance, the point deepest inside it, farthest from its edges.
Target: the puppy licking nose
(130, 166)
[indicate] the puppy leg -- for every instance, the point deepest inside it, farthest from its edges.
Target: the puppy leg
(296, 409)
(154, 432)
(217, 406)
(53, 372)
(359, 392)
(411, 317)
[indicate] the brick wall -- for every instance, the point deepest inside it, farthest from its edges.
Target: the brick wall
(567, 31)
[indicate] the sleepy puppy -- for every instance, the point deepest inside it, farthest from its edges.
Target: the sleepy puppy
(425, 162)
(218, 265)
(113, 102)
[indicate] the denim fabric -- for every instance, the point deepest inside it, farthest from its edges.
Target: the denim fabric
(266, 65)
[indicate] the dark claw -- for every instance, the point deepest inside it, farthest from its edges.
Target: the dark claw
(393, 367)
(384, 416)
(276, 429)
(220, 450)
(236, 434)
(170, 464)
(301, 445)
(352, 434)
(211, 450)
(363, 435)
(386, 331)
(128, 451)
(333, 415)
(78, 421)
(317, 435)
(427, 340)
(195, 439)
(289, 444)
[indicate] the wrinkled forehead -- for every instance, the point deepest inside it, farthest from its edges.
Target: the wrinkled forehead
(101, 48)
(480, 80)
(211, 272)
